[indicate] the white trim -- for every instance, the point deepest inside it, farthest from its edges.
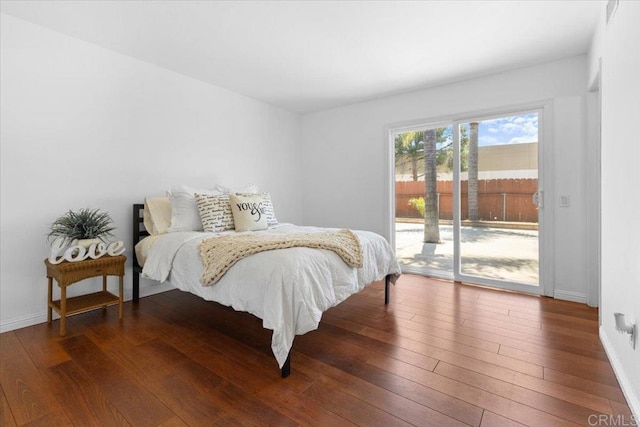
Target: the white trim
(455, 188)
(546, 182)
(633, 400)
(570, 296)
(418, 125)
(389, 189)
(593, 186)
(436, 274)
(147, 291)
(498, 283)
(22, 322)
(34, 319)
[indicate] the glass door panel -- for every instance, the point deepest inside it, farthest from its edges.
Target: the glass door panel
(498, 218)
(424, 200)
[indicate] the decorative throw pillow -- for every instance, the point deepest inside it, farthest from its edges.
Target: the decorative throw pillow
(184, 211)
(267, 206)
(157, 214)
(248, 212)
(215, 212)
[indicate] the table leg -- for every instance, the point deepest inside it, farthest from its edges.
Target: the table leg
(121, 295)
(104, 288)
(63, 311)
(49, 298)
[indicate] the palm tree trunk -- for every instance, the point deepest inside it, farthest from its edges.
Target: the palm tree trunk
(472, 184)
(431, 214)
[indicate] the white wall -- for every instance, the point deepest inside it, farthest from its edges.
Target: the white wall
(82, 126)
(344, 160)
(618, 44)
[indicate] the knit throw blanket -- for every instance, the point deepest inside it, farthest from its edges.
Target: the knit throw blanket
(219, 254)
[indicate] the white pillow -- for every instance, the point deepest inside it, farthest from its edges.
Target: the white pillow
(248, 212)
(250, 188)
(157, 214)
(184, 211)
(215, 212)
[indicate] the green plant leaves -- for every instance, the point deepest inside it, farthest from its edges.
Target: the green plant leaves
(82, 224)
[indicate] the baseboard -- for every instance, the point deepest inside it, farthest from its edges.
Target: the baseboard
(22, 322)
(625, 383)
(570, 296)
(420, 272)
(34, 319)
(156, 288)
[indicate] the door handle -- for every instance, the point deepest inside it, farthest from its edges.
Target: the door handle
(537, 199)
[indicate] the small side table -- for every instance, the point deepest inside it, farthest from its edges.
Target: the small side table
(67, 273)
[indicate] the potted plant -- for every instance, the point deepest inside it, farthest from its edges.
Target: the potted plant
(83, 227)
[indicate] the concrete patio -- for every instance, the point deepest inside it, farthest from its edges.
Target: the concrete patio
(500, 253)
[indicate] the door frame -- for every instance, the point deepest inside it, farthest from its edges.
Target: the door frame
(593, 194)
(546, 174)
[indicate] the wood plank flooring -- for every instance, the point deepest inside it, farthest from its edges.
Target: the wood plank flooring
(440, 354)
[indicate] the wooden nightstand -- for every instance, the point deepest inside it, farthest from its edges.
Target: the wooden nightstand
(68, 273)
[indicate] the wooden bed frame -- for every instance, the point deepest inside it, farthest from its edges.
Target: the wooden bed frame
(139, 233)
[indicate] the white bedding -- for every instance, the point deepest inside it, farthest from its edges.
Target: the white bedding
(288, 289)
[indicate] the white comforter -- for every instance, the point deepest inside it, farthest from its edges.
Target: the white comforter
(288, 289)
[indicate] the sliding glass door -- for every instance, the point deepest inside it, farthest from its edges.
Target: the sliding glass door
(466, 200)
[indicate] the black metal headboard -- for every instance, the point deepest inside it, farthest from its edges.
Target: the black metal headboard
(139, 233)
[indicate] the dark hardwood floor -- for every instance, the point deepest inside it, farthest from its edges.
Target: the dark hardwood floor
(440, 354)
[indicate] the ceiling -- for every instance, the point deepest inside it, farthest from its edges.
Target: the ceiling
(307, 56)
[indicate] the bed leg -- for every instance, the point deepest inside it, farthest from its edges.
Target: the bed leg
(387, 283)
(136, 286)
(286, 368)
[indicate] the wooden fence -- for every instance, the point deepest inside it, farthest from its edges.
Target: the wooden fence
(498, 199)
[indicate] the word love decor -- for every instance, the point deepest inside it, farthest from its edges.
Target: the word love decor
(77, 253)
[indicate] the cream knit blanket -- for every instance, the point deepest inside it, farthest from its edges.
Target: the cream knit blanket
(219, 254)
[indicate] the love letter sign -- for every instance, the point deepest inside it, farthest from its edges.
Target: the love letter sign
(79, 253)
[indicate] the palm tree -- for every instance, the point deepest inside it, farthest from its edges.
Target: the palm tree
(464, 149)
(445, 149)
(431, 214)
(411, 145)
(472, 184)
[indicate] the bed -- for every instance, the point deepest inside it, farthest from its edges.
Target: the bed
(288, 289)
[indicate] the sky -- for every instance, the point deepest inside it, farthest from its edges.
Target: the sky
(516, 129)
(508, 130)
